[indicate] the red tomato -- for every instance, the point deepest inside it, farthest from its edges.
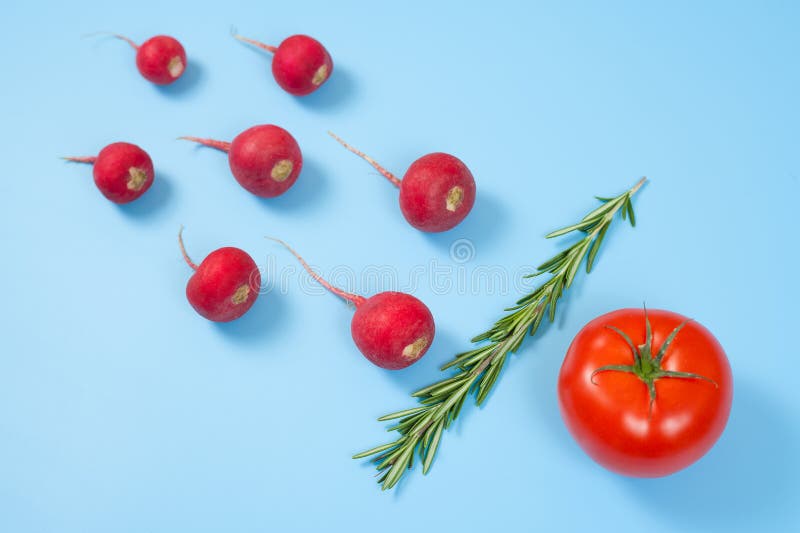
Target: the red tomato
(633, 413)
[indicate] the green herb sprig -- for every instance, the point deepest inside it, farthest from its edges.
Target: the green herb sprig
(419, 429)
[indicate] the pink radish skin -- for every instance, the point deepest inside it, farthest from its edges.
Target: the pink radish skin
(391, 329)
(224, 286)
(265, 160)
(436, 193)
(300, 65)
(160, 59)
(122, 171)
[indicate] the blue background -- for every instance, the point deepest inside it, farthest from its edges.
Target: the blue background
(122, 410)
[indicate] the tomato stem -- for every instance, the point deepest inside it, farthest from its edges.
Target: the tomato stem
(647, 367)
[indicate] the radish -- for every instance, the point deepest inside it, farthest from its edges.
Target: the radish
(122, 171)
(160, 59)
(301, 64)
(265, 160)
(225, 285)
(436, 193)
(391, 329)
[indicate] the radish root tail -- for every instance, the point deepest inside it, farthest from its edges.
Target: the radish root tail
(115, 35)
(219, 145)
(385, 173)
(183, 250)
(88, 159)
(259, 44)
(355, 299)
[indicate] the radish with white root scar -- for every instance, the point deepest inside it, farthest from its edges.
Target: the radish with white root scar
(160, 59)
(122, 171)
(266, 160)
(300, 64)
(392, 329)
(436, 193)
(225, 285)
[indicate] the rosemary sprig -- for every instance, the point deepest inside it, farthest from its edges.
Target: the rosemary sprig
(419, 429)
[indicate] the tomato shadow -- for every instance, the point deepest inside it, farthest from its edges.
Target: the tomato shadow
(747, 481)
(264, 320)
(306, 193)
(153, 203)
(539, 359)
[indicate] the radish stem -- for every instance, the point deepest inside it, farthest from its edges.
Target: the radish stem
(183, 250)
(259, 44)
(87, 159)
(219, 145)
(355, 299)
(385, 173)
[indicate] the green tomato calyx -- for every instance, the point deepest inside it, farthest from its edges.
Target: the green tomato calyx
(646, 366)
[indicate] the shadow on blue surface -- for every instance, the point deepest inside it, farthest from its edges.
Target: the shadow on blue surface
(152, 203)
(340, 89)
(190, 80)
(420, 374)
(305, 194)
(482, 225)
(424, 373)
(426, 370)
(263, 320)
(747, 481)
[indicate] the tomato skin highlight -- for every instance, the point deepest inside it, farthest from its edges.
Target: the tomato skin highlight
(609, 414)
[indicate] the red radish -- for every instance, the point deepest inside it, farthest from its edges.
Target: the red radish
(391, 329)
(225, 285)
(265, 160)
(160, 59)
(122, 171)
(436, 193)
(301, 64)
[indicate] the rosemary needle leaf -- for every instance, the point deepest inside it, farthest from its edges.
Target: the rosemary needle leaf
(564, 231)
(401, 414)
(629, 206)
(375, 450)
(594, 249)
(430, 453)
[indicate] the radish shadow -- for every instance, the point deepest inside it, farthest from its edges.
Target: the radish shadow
(153, 203)
(340, 89)
(481, 226)
(189, 81)
(265, 319)
(426, 370)
(335, 92)
(747, 481)
(309, 189)
(423, 373)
